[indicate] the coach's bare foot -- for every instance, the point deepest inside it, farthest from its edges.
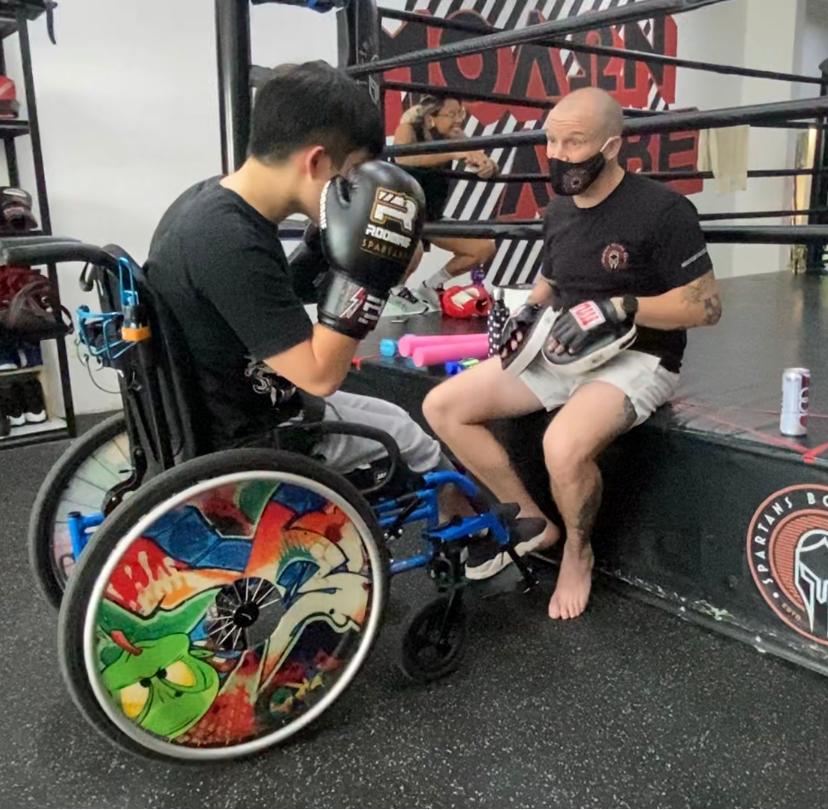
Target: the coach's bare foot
(574, 582)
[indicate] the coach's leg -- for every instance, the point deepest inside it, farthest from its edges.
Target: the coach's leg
(458, 410)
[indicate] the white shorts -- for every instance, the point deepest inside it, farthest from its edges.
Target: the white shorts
(640, 376)
(345, 453)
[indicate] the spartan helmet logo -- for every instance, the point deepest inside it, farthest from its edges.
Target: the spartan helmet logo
(811, 577)
(615, 257)
(394, 206)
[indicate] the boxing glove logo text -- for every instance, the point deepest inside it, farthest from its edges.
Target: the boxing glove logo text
(391, 207)
(394, 206)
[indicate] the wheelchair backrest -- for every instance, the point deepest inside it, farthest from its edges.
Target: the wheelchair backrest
(161, 397)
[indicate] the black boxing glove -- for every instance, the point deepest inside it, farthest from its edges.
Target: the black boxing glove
(515, 330)
(308, 266)
(370, 223)
(583, 325)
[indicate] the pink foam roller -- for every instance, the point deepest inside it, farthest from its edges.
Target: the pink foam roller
(407, 343)
(432, 355)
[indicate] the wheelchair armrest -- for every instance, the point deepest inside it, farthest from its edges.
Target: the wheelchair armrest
(398, 471)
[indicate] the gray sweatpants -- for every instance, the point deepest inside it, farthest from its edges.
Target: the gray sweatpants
(345, 453)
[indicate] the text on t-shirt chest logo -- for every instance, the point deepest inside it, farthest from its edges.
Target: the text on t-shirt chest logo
(615, 257)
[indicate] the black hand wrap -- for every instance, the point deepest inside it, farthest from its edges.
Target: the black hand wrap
(370, 226)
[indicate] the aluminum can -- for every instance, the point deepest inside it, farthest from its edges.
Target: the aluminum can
(793, 417)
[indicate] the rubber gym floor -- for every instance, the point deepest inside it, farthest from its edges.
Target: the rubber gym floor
(626, 706)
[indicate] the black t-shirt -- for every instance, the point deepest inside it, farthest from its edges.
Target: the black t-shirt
(644, 240)
(219, 266)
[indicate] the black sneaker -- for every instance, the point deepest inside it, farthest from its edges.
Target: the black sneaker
(488, 558)
(11, 405)
(34, 408)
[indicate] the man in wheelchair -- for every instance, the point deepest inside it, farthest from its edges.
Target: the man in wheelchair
(217, 602)
(218, 266)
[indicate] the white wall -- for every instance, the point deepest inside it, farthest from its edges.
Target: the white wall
(129, 111)
(760, 34)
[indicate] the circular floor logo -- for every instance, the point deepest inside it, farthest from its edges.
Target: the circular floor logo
(787, 549)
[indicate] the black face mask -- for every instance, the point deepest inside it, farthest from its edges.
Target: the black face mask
(569, 179)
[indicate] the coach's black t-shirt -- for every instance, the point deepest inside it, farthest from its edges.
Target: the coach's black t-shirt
(644, 239)
(219, 266)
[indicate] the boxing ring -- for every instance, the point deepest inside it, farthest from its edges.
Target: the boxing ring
(708, 511)
(682, 492)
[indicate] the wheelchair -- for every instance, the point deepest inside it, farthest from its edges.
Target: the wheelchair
(214, 602)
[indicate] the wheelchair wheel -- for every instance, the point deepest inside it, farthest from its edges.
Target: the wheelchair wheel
(433, 640)
(79, 480)
(224, 606)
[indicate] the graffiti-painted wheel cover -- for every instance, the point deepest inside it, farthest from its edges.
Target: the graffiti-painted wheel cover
(232, 614)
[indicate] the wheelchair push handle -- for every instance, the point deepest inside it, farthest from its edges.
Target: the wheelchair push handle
(30, 250)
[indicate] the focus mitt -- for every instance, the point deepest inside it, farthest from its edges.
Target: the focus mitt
(514, 334)
(585, 332)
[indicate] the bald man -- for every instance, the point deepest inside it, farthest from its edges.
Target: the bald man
(633, 247)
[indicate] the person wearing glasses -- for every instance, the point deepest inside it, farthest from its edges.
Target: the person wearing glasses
(440, 119)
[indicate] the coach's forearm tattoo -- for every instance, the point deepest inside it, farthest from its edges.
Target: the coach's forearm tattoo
(712, 310)
(704, 291)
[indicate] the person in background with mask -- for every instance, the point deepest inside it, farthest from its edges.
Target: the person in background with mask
(439, 119)
(619, 249)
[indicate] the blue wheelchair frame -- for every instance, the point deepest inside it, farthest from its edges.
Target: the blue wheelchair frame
(392, 514)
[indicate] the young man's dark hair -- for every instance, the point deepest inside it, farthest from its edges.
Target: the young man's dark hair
(288, 114)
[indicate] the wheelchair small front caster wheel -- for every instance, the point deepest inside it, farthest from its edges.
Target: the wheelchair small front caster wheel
(433, 640)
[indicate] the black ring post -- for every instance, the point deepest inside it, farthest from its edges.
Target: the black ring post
(358, 32)
(233, 50)
(816, 263)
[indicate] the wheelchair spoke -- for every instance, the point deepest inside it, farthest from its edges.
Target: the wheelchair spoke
(226, 635)
(256, 592)
(271, 602)
(223, 625)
